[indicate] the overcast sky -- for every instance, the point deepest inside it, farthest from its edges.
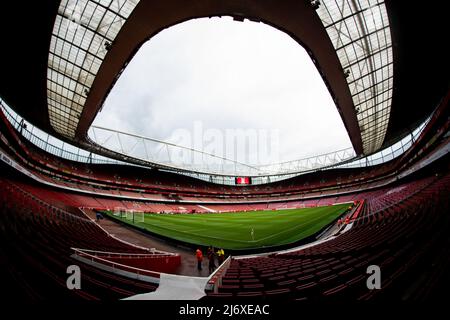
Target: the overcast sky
(224, 74)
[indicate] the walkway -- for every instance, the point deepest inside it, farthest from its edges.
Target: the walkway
(188, 265)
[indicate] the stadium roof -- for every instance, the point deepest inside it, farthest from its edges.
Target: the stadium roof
(60, 59)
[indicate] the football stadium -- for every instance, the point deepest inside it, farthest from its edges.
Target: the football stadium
(91, 212)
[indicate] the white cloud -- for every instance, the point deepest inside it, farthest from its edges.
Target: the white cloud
(228, 75)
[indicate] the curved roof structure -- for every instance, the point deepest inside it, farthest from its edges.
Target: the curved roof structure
(359, 47)
(85, 31)
(360, 33)
(82, 36)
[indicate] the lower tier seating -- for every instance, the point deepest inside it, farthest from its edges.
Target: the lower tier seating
(36, 251)
(396, 238)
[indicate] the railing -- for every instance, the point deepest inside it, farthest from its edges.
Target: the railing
(358, 210)
(114, 265)
(50, 144)
(105, 254)
(215, 279)
(389, 153)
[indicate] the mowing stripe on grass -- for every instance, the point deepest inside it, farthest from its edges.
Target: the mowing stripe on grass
(233, 230)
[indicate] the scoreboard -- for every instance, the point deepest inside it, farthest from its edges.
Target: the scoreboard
(243, 180)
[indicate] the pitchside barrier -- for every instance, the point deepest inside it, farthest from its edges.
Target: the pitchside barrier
(215, 280)
(138, 263)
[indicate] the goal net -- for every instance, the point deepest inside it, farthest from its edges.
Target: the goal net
(138, 216)
(129, 215)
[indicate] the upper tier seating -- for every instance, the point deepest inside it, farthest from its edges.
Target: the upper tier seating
(135, 182)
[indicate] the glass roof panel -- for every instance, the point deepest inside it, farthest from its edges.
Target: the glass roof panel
(359, 31)
(77, 49)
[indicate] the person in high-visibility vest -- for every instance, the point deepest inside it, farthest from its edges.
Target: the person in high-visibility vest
(220, 256)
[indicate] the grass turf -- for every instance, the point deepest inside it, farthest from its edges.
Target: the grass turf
(234, 230)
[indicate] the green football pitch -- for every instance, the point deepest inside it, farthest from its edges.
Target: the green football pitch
(240, 230)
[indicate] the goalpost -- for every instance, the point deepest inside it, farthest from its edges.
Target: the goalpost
(131, 215)
(138, 216)
(117, 212)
